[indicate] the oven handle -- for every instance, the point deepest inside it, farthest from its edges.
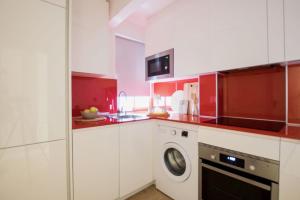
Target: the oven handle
(241, 178)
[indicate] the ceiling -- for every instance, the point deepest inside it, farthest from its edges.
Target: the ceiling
(144, 10)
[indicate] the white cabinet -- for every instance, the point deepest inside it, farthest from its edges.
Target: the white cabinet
(238, 33)
(90, 37)
(289, 170)
(32, 72)
(254, 144)
(214, 35)
(61, 3)
(275, 31)
(135, 156)
(34, 172)
(292, 29)
(96, 163)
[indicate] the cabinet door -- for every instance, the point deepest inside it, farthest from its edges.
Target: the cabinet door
(34, 172)
(90, 37)
(135, 156)
(238, 33)
(276, 31)
(32, 72)
(289, 170)
(96, 163)
(292, 29)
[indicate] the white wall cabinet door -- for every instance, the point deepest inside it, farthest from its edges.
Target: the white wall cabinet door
(96, 163)
(90, 37)
(275, 31)
(238, 33)
(34, 172)
(32, 72)
(292, 29)
(135, 156)
(289, 170)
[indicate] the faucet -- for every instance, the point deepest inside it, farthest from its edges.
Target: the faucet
(121, 107)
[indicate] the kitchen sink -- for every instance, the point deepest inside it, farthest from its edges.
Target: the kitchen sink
(127, 116)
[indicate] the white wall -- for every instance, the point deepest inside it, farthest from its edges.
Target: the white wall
(130, 67)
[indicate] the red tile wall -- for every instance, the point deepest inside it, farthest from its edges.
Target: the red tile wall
(207, 91)
(294, 92)
(93, 91)
(253, 93)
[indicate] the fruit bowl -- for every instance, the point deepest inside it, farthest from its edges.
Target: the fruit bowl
(89, 115)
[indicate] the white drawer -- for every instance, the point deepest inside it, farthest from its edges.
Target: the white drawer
(254, 144)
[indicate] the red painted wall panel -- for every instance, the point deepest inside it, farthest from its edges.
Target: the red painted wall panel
(294, 92)
(207, 91)
(169, 87)
(93, 91)
(253, 93)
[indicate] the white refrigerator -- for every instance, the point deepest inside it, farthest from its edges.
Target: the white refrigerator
(33, 92)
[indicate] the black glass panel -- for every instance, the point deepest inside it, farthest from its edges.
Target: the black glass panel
(217, 186)
(159, 66)
(248, 123)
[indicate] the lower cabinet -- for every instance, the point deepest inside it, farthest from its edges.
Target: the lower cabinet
(96, 163)
(34, 172)
(135, 156)
(289, 181)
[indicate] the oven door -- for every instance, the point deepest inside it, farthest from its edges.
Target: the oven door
(217, 182)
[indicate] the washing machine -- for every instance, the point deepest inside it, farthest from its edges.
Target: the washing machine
(176, 162)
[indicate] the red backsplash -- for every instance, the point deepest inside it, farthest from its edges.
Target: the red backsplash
(169, 87)
(294, 92)
(257, 92)
(207, 91)
(93, 91)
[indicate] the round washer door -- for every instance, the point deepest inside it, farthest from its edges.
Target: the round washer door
(176, 162)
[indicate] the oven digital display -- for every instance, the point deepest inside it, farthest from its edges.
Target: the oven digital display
(232, 160)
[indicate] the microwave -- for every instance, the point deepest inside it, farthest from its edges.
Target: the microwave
(160, 65)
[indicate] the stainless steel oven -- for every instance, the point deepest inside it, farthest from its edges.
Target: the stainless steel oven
(229, 175)
(160, 65)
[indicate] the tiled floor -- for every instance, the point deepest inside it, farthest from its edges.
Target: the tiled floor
(150, 193)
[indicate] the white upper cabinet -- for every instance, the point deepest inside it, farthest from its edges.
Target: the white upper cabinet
(211, 35)
(32, 72)
(135, 156)
(34, 172)
(96, 163)
(238, 33)
(289, 170)
(90, 37)
(61, 3)
(292, 29)
(275, 31)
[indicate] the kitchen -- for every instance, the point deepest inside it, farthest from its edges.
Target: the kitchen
(140, 99)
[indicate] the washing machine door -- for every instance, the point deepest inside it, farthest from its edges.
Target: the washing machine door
(175, 162)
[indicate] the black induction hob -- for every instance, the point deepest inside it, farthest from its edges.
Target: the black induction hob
(274, 126)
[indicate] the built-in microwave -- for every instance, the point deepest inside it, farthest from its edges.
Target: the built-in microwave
(160, 65)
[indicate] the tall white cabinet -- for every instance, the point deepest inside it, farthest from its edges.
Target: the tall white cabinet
(34, 172)
(33, 89)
